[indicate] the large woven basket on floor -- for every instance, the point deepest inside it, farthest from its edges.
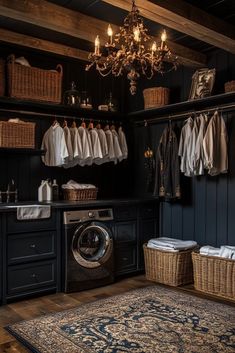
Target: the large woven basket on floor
(156, 97)
(17, 135)
(32, 83)
(214, 275)
(2, 77)
(172, 268)
(80, 194)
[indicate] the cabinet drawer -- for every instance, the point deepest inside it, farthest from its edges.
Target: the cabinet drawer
(15, 226)
(126, 212)
(125, 259)
(23, 278)
(148, 211)
(125, 232)
(26, 247)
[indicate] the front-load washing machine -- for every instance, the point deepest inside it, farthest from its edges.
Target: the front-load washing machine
(87, 251)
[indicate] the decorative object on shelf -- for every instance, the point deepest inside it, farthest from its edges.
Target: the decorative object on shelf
(229, 86)
(112, 103)
(85, 101)
(103, 107)
(17, 134)
(72, 96)
(32, 83)
(128, 52)
(202, 83)
(156, 97)
(2, 77)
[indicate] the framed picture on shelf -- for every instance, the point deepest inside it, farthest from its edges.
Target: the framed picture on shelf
(202, 83)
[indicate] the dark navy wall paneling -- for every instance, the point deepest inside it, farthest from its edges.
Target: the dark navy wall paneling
(206, 211)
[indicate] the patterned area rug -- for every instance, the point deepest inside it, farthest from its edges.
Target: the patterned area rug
(153, 319)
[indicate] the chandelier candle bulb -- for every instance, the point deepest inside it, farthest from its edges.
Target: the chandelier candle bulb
(97, 45)
(163, 39)
(110, 34)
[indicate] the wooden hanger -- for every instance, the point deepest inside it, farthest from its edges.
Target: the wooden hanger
(65, 124)
(98, 126)
(91, 125)
(83, 124)
(55, 122)
(74, 125)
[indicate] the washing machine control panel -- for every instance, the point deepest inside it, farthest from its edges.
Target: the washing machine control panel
(78, 216)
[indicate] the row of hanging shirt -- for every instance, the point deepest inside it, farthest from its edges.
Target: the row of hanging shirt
(70, 146)
(203, 145)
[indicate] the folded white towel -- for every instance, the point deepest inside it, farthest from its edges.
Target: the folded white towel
(153, 246)
(33, 212)
(227, 251)
(171, 243)
(209, 250)
(71, 184)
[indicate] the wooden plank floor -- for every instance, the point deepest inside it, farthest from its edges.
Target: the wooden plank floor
(31, 308)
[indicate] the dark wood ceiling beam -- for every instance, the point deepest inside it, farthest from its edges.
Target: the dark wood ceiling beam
(43, 14)
(7, 36)
(185, 18)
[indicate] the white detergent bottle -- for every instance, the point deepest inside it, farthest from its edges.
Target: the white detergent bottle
(48, 191)
(42, 191)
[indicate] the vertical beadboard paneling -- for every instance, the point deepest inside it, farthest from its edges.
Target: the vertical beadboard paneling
(200, 209)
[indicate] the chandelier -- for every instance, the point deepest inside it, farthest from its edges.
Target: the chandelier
(127, 52)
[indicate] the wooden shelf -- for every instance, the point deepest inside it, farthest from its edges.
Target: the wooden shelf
(187, 106)
(41, 108)
(31, 151)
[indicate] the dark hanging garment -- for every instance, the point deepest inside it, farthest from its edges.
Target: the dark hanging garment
(149, 161)
(167, 175)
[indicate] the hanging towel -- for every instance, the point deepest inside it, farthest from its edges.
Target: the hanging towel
(33, 212)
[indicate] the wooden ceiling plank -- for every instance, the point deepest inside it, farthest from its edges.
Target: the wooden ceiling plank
(11, 37)
(47, 15)
(185, 18)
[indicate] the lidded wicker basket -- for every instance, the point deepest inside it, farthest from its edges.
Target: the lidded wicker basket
(156, 97)
(229, 86)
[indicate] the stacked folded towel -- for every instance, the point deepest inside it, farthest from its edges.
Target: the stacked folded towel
(225, 251)
(71, 184)
(171, 244)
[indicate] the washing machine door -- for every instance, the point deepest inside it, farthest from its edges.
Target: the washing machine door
(92, 244)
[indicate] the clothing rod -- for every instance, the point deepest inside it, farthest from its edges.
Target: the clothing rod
(25, 112)
(179, 116)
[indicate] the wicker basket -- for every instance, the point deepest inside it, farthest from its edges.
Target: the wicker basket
(2, 77)
(214, 275)
(172, 268)
(32, 83)
(17, 135)
(156, 97)
(229, 86)
(80, 195)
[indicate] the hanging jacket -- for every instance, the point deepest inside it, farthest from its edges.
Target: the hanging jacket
(215, 146)
(167, 183)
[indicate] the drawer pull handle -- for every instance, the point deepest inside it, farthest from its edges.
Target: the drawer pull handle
(125, 258)
(32, 246)
(33, 275)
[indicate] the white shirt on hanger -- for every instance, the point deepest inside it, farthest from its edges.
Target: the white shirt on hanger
(116, 146)
(68, 141)
(97, 152)
(104, 146)
(122, 142)
(54, 143)
(86, 150)
(109, 138)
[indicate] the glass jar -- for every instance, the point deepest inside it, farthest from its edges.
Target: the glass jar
(72, 96)
(112, 103)
(85, 100)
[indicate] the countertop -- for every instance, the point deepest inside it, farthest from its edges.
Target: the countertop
(64, 204)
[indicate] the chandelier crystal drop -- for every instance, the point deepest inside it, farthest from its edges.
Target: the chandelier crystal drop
(127, 52)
